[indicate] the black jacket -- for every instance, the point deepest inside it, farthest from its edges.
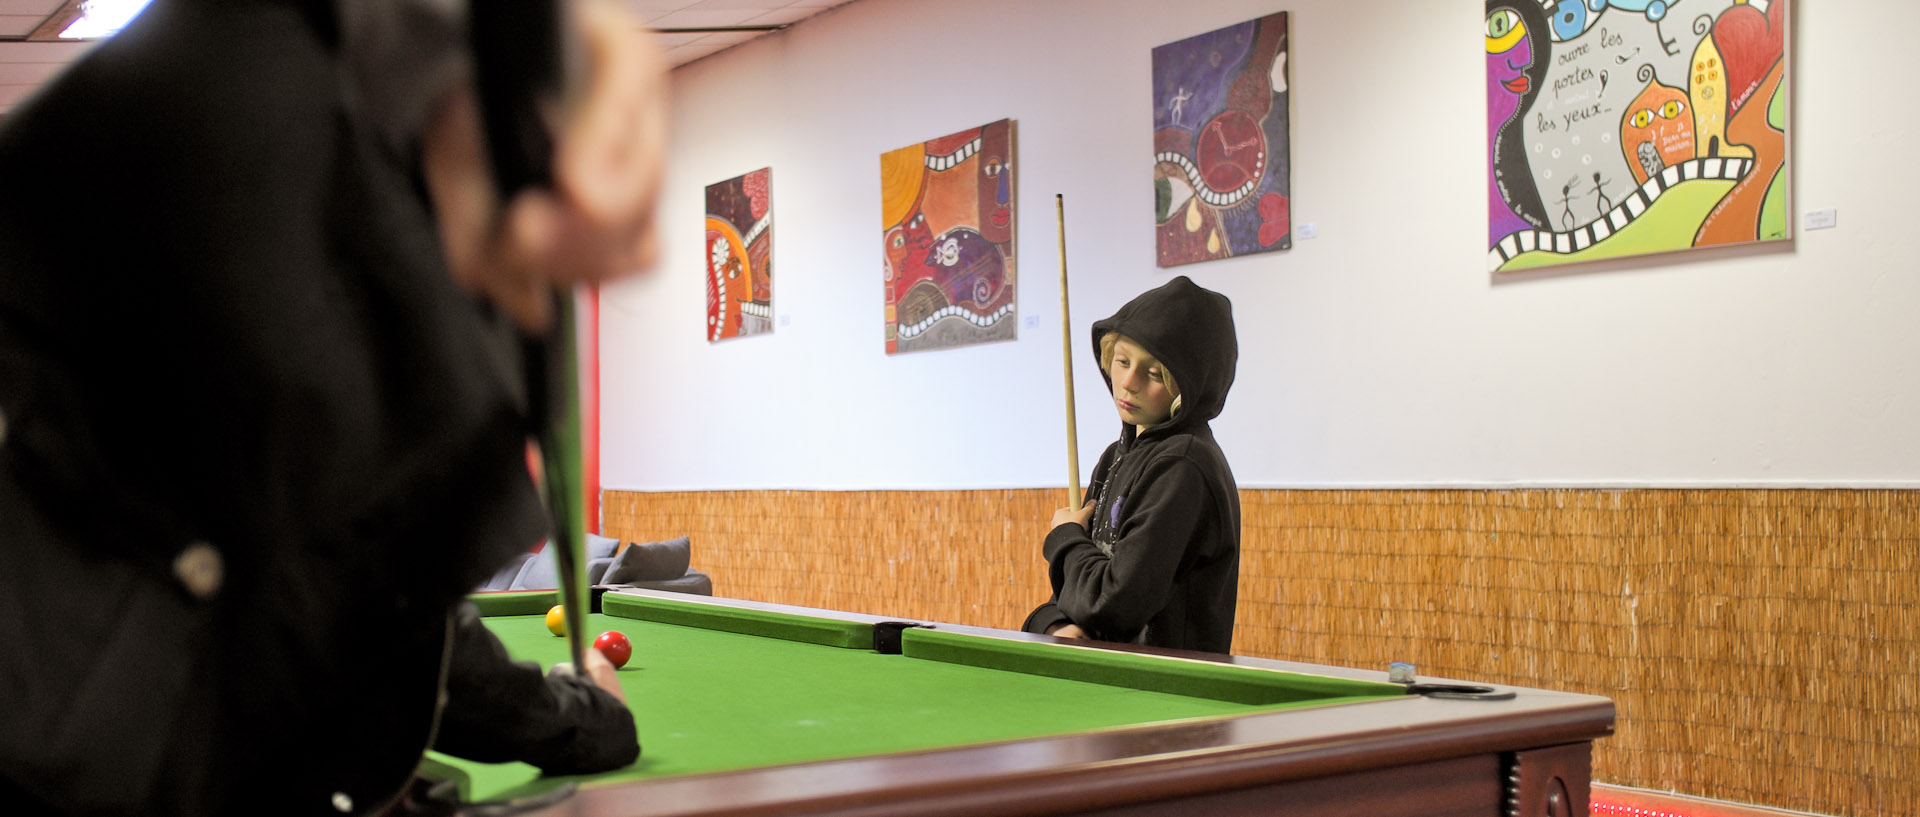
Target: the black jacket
(499, 710)
(1162, 563)
(255, 445)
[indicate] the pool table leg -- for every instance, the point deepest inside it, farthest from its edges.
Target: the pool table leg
(1555, 781)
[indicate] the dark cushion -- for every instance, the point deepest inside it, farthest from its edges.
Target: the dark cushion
(650, 562)
(694, 582)
(597, 569)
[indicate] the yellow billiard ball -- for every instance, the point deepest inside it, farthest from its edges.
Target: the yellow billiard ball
(557, 620)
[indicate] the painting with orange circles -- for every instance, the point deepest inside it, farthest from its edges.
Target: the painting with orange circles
(947, 214)
(740, 256)
(1626, 127)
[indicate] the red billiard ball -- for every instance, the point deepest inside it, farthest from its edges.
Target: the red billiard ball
(614, 645)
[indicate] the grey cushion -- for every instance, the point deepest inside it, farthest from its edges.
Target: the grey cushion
(540, 573)
(503, 578)
(650, 562)
(600, 547)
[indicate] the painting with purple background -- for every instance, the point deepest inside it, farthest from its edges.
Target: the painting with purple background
(1516, 65)
(1220, 143)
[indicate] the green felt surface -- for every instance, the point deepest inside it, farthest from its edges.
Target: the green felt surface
(710, 695)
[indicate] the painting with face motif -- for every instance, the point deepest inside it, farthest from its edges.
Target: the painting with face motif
(740, 256)
(946, 221)
(1220, 157)
(1624, 127)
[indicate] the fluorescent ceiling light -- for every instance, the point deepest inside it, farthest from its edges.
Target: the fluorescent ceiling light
(102, 18)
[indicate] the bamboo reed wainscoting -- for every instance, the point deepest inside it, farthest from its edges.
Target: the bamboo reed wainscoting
(1760, 645)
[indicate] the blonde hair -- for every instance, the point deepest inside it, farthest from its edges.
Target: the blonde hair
(1107, 342)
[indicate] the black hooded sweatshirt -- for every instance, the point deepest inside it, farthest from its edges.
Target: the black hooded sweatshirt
(1161, 565)
(255, 443)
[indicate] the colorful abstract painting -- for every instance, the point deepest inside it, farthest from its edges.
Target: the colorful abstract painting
(740, 256)
(1623, 127)
(947, 223)
(1220, 159)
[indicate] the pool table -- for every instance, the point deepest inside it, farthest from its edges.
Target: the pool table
(747, 708)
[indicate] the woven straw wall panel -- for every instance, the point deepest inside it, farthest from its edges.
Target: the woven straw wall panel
(1761, 646)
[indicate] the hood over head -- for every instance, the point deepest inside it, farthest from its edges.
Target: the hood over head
(1190, 330)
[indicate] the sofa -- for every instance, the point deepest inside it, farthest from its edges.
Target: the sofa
(661, 565)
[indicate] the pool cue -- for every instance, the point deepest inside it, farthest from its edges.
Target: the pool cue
(1074, 499)
(524, 61)
(562, 467)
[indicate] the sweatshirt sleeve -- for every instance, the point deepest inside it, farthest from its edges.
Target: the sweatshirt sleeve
(1045, 617)
(1113, 597)
(501, 710)
(1049, 614)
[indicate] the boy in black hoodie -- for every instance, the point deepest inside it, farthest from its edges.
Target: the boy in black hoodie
(1154, 556)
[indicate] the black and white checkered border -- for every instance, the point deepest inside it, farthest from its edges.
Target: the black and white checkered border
(1580, 238)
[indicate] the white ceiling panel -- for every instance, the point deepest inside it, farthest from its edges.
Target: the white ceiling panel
(651, 10)
(705, 18)
(28, 73)
(30, 8)
(791, 14)
(672, 41)
(24, 65)
(729, 39)
(18, 25)
(754, 6)
(42, 52)
(688, 53)
(11, 95)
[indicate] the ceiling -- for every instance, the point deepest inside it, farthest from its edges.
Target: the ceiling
(687, 30)
(686, 46)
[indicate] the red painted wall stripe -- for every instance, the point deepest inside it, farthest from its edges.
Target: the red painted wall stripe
(589, 330)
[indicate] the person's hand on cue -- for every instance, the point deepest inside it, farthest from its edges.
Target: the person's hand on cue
(597, 222)
(1078, 516)
(604, 675)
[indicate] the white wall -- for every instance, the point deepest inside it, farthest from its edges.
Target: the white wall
(1378, 354)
